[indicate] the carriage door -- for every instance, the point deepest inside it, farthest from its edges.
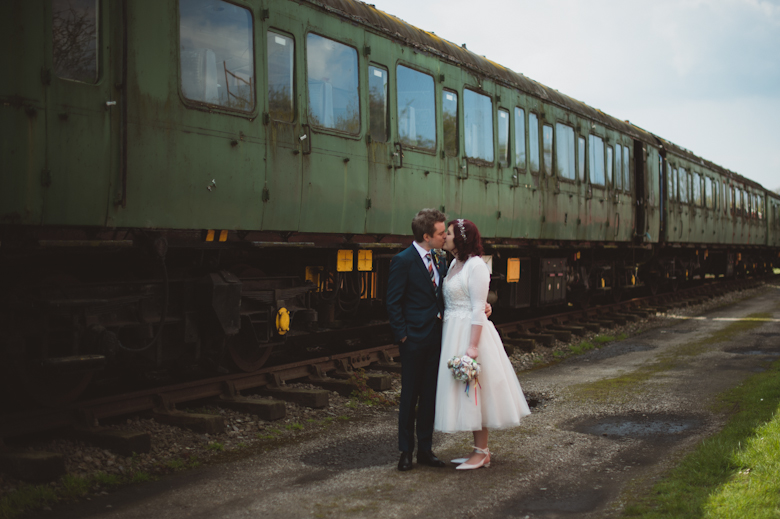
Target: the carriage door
(82, 112)
(640, 160)
(379, 148)
(287, 140)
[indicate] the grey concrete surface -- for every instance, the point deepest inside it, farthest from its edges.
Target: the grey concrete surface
(573, 458)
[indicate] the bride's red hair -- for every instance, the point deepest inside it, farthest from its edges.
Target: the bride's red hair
(471, 245)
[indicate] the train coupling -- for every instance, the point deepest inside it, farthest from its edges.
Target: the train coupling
(74, 364)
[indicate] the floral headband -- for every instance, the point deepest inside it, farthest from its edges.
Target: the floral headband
(462, 229)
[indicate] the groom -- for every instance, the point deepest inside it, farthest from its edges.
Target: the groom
(415, 306)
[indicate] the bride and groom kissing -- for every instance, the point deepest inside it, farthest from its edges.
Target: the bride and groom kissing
(437, 311)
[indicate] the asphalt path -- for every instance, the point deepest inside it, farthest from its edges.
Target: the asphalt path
(613, 420)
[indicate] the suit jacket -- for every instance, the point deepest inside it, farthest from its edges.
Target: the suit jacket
(413, 306)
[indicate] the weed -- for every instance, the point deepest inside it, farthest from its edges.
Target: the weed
(294, 427)
(216, 447)
(365, 394)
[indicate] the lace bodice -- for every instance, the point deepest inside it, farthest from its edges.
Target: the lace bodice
(465, 291)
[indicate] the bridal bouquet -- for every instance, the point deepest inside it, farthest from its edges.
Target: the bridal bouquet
(465, 369)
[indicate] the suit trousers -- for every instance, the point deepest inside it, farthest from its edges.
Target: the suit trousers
(419, 374)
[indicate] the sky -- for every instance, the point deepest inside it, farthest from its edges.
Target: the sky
(702, 74)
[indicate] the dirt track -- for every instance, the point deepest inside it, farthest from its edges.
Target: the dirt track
(613, 420)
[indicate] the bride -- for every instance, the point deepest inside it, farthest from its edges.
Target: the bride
(497, 402)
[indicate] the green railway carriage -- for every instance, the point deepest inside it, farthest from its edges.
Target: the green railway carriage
(190, 181)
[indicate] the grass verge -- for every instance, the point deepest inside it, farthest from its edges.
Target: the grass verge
(734, 474)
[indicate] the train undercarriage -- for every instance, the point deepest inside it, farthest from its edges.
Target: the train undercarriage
(155, 307)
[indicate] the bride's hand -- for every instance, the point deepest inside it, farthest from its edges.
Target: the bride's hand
(472, 352)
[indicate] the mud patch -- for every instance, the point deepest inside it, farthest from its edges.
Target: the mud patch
(652, 427)
(354, 453)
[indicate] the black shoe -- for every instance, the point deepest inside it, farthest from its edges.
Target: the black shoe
(405, 463)
(430, 459)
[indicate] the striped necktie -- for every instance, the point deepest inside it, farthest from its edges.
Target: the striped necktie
(430, 269)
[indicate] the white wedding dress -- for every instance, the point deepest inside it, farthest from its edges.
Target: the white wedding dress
(498, 402)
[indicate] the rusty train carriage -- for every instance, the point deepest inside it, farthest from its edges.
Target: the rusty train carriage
(200, 182)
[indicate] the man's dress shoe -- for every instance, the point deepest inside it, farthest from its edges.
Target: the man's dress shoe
(430, 459)
(405, 463)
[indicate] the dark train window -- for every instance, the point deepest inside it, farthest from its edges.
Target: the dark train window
(281, 76)
(449, 110)
(478, 125)
(581, 158)
(626, 171)
(733, 201)
(74, 31)
(332, 84)
(618, 166)
(610, 164)
(547, 147)
(503, 138)
(596, 162)
(217, 54)
(416, 108)
(564, 151)
(377, 103)
(520, 138)
(533, 142)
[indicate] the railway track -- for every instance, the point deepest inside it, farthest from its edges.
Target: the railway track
(333, 370)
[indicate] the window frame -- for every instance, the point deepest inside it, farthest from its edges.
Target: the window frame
(213, 108)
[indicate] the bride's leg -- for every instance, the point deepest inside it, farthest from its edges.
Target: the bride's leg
(481, 442)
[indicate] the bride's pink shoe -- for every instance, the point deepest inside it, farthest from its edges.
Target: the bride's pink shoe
(485, 462)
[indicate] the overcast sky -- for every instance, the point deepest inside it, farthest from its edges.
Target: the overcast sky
(702, 74)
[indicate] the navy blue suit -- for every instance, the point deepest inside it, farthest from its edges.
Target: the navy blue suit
(414, 307)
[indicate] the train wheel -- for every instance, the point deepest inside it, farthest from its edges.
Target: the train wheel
(244, 349)
(27, 381)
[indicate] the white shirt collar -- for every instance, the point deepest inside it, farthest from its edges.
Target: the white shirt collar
(422, 252)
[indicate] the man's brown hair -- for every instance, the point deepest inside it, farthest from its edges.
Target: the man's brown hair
(425, 223)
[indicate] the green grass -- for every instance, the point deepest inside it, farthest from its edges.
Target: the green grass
(294, 427)
(216, 447)
(734, 474)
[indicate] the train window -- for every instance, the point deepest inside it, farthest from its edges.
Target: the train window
(596, 161)
(332, 84)
(547, 148)
(738, 202)
(564, 151)
(610, 164)
(503, 138)
(478, 125)
(674, 191)
(416, 108)
(581, 158)
(281, 56)
(733, 202)
(520, 138)
(74, 32)
(449, 109)
(708, 192)
(378, 116)
(683, 185)
(760, 207)
(618, 166)
(697, 194)
(533, 142)
(626, 170)
(217, 56)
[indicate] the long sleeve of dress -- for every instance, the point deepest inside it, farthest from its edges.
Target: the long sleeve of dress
(478, 283)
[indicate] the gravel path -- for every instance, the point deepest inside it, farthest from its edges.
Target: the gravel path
(607, 423)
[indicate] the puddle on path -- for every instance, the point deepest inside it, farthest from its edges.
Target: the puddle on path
(651, 426)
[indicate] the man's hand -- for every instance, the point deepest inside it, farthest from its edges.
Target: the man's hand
(488, 309)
